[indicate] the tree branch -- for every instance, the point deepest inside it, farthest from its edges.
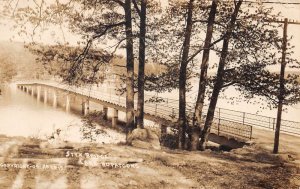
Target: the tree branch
(136, 7)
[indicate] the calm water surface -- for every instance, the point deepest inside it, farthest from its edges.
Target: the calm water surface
(22, 115)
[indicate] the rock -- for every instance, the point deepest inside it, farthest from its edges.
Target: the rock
(137, 134)
(144, 138)
(152, 135)
(141, 144)
(53, 144)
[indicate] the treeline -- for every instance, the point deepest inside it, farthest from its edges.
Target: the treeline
(181, 36)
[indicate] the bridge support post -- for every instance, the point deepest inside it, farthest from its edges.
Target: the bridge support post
(38, 93)
(114, 119)
(105, 110)
(45, 96)
(85, 107)
(32, 90)
(68, 103)
(163, 130)
(54, 99)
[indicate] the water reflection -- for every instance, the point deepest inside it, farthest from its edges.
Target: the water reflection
(23, 115)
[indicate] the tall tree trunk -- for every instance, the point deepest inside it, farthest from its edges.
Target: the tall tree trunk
(196, 130)
(141, 74)
(130, 68)
(182, 77)
(220, 74)
(281, 90)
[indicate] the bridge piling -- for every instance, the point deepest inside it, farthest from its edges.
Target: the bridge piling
(163, 130)
(32, 90)
(45, 96)
(114, 118)
(38, 97)
(54, 99)
(68, 104)
(85, 107)
(105, 110)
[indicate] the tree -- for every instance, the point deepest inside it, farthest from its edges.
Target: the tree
(196, 126)
(252, 37)
(7, 70)
(179, 40)
(220, 74)
(141, 70)
(130, 68)
(182, 76)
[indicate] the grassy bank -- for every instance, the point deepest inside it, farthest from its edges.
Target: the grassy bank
(70, 165)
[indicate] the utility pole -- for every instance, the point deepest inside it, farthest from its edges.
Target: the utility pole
(281, 88)
(281, 81)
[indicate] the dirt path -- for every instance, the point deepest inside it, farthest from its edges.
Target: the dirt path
(87, 166)
(288, 145)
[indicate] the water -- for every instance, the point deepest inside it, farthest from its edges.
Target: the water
(22, 115)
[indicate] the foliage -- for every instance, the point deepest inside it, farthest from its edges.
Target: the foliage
(63, 61)
(90, 129)
(8, 70)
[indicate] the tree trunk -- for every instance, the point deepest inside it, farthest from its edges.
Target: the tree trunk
(182, 78)
(196, 130)
(281, 90)
(130, 68)
(141, 74)
(219, 79)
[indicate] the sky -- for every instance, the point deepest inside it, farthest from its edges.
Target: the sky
(55, 34)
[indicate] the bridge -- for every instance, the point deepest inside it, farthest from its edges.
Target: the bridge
(227, 124)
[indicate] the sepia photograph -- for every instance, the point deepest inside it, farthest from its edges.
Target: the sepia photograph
(149, 94)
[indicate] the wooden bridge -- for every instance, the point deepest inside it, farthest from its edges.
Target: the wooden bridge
(227, 125)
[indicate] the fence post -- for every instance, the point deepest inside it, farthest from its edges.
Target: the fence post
(155, 108)
(219, 122)
(244, 118)
(273, 124)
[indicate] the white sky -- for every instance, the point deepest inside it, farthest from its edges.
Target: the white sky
(50, 37)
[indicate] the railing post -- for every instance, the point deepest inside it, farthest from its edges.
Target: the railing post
(273, 124)
(110, 95)
(251, 129)
(219, 122)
